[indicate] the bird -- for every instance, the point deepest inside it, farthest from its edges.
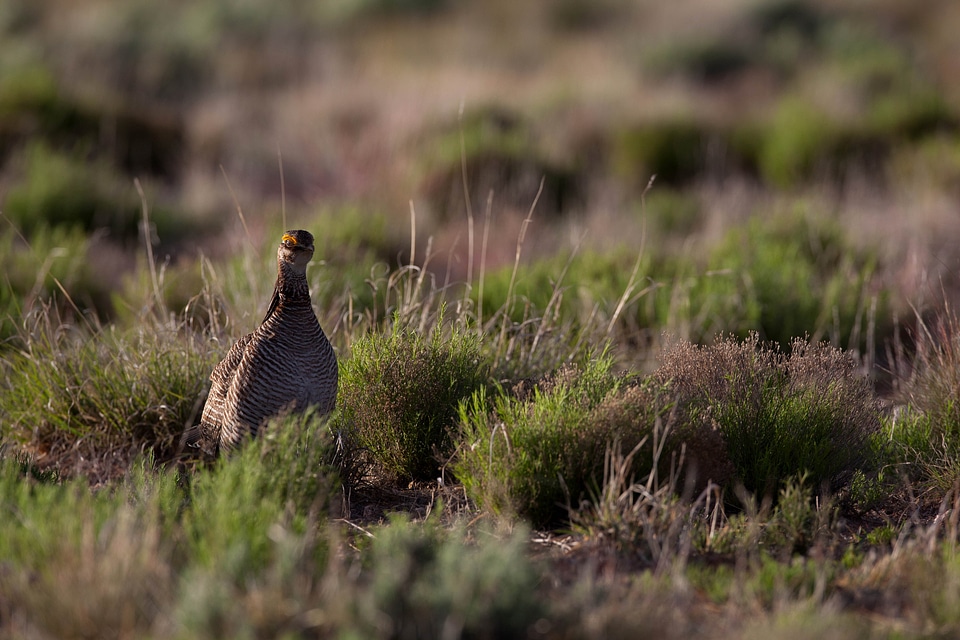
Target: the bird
(286, 364)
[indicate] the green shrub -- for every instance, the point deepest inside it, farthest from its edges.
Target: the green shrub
(797, 275)
(27, 89)
(542, 449)
(399, 394)
(356, 246)
(931, 163)
(420, 581)
(498, 152)
(797, 142)
(60, 188)
(81, 563)
(782, 416)
(785, 276)
(698, 303)
(530, 456)
(285, 477)
(590, 278)
(702, 60)
(672, 212)
(672, 150)
(769, 36)
(226, 547)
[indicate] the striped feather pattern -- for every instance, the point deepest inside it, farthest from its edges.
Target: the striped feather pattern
(287, 363)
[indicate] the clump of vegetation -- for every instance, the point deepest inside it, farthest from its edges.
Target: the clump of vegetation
(808, 412)
(674, 151)
(67, 392)
(799, 141)
(923, 433)
(529, 455)
(493, 150)
(420, 580)
(95, 560)
(294, 485)
(61, 188)
(32, 270)
(399, 395)
(542, 449)
(672, 212)
(798, 275)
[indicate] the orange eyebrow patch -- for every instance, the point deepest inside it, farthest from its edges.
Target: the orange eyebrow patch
(289, 237)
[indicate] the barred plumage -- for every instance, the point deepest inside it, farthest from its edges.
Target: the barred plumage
(286, 364)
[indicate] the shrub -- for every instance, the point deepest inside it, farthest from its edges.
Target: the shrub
(590, 278)
(797, 275)
(285, 477)
(78, 563)
(219, 548)
(65, 189)
(495, 150)
(782, 416)
(707, 61)
(932, 163)
(542, 449)
(797, 141)
(399, 394)
(673, 150)
(420, 581)
(673, 212)
(527, 455)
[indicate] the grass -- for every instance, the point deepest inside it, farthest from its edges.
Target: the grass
(128, 391)
(730, 469)
(533, 455)
(33, 269)
(924, 434)
(729, 474)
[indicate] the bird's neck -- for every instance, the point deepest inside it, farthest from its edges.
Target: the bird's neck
(291, 290)
(291, 282)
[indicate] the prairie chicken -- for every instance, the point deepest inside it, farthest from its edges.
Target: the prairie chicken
(287, 363)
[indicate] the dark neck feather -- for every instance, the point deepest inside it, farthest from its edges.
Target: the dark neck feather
(290, 286)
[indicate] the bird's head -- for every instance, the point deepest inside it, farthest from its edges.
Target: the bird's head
(296, 248)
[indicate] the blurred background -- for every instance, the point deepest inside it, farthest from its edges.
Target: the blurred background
(806, 152)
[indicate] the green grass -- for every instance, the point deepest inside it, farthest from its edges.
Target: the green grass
(729, 468)
(32, 270)
(70, 390)
(66, 188)
(922, 437)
